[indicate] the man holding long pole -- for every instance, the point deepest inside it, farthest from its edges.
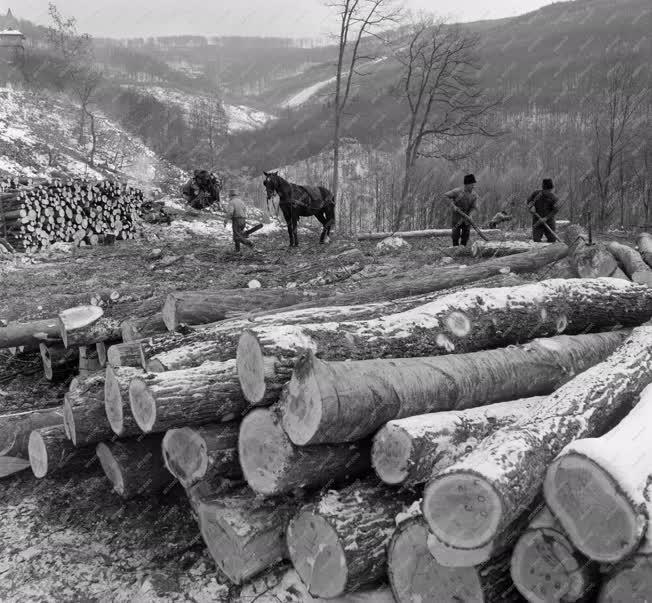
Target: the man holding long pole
(544, 205)
(464, 202)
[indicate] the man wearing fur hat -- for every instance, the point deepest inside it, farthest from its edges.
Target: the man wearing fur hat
(467, 201)
(545, 205)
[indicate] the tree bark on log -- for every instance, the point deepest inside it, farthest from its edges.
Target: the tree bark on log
(15, 430)
(497, 249)
(77, 320)
(589, 261)
(29, 334)
(207, 452)
(124, 354)
(58, 361)
(475, 319)
(205, 394)
(338, 544)
(50, 451)
(272, 465)
(116, 400)
(135, 467)
(84, 413)
(545, 566)
(201, 307)
(477, 498)
(332, 402)
(632, 262)
(89, 333)
(135, 329)
(410, 451)
(412, 234)
(597, 487)
(89, 362)
(644, 243)
(244, 534)
(415, 575)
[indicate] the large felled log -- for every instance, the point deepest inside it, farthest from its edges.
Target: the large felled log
(124, 354)
(134, 467)
(475, 499)
(271, 464)
(116, 399)
(545, 566)
(244, 533)
(339, 543)
(412, 234)
(465, 322)
(58, 361)
(86, 325)
(29, 334)
(632, 262)
(201, 307)
(644, 243)
(589, 261)
(199, 453)
(135, 329)
(204, 394)
(15, 430)
(597, 487)
(84, 413)
(50, 451)
(345, 401)
(411, 450)
(415, 575)
(496, 249)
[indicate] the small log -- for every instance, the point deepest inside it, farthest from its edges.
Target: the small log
(50, 451)
(100, 350)
(479, 497)
(412, 234)
(135, 467)
(58, 361)
(29, 334)
(332, 402)
(338, 544)
(116, 400)
(207, 452)
(644, 243)
(88, 360)
(207, 393)
(84, 413)
(545, 566)
(497, 249)
(597, 487)
(632, 262)
(77, 320)
(136, 329)
(631, 580)
(124, 354)
(272, 465)
(410, 451)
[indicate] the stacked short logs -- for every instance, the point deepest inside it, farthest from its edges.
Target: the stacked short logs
(33, 215)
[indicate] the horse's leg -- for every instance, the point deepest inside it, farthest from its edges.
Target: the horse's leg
(288, 222)
(295, 227)
(321, 216)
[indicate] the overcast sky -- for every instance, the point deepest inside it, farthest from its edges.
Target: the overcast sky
(282, 18)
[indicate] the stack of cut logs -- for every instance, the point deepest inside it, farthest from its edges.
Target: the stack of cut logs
(34, 214)
(464, 434)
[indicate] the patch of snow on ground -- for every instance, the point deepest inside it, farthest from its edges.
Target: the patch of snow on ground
(242, 117)
(209, 228)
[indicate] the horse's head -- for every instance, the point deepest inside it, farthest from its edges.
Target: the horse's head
(271, 182)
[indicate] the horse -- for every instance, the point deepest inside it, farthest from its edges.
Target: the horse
(296, 200)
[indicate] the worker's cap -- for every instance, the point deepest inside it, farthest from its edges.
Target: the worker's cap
(469, 179)
(233, 192)
(547, 184)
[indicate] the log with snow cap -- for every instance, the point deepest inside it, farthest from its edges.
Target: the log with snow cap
(498, 249)
(632, 262)
(597, 487)
(469, 504)
(330, 402)
(471, 320)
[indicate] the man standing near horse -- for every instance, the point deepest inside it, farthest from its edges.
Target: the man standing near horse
(236, 211)
(466, 201)
(543, 205)
(202, 190)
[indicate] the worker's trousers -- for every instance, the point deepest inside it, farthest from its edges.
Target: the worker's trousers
(461, 232)
(239, 236)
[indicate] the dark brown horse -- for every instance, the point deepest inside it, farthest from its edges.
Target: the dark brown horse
(298, 201)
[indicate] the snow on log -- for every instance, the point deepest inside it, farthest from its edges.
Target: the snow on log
(545, 566)
(84, 413)
(15, 430)
(496, 249)
(471, 320)
(415, 575)
(331, 402)
(135, 466)
(632, 262)
(50, 451)
(597, 487)
(199, 453)
(204, 394)
(245, 534)
(85, 325)
(116, 399)
(338, 544)
(124, 354)
(589, 261)
(135, 329)
(413, 234)
(469, 504)
(58, 361)
(29, 334)
(644, 242)
(411, 450)
(272, 464)
(201, 307)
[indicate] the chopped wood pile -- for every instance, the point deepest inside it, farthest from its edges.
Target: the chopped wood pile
(34, 214)
(477, 444)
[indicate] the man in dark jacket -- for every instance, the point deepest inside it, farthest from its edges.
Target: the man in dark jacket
(467, 201)
(545, 203)
(202, 190)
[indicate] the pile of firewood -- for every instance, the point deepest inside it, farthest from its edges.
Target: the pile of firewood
(34, 214)
(438, 433)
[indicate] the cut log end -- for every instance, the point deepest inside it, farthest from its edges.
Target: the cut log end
(632, 584)
(113, 401)
(317, 555)
(69, 420)
(565, 485)
(185, 455)
(251, 368)
(77, 318)
(391, 453)
(110, 467)
(169, 313)
(443, 501)
(143, 404)
(38, 454)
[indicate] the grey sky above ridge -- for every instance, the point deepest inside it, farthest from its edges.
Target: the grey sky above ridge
(282, 18)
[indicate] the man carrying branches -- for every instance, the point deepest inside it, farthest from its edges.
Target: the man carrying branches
(465, 200)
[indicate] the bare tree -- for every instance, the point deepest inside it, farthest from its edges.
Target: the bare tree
(447, 109)
(357, 19)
